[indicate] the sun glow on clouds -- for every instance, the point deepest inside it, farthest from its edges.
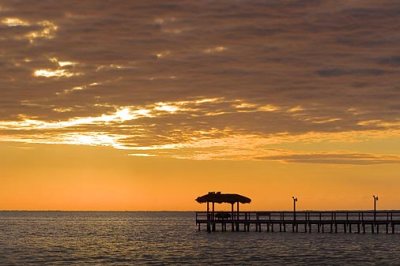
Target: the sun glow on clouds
(59, 72)
(47, 32)
(296, 109)
(78, 88)
(380, 123)
(140, 154)
(49, 73)
(163, 54)
(125, 114)
(213, 50)
(62, 63)
(62, 109)
(268, 108)
(119, 116)
(188, 143)
(231, 146)
(95, 139)
(87, 139)
(242, 107)
(14, 22)
(166, 108)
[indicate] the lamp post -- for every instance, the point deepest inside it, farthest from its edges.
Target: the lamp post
(295, 226)
(375, 200)
(294, 207)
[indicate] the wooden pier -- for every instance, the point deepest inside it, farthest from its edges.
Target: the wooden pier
(360, 222)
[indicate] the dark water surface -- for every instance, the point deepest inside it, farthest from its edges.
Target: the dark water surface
(130, 238)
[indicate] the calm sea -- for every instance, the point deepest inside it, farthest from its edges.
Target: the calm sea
(131, 238)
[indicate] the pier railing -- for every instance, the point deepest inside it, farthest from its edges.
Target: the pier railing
(319, 219)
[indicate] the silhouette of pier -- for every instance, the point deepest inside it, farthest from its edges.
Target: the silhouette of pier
(341, 221)
(301, 221)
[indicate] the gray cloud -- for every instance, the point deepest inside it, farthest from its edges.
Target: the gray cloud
(337, 72)
(391, 61)
(354, 159)
(337, 60)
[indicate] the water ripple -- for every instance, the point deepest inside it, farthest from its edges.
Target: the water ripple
(126, 238)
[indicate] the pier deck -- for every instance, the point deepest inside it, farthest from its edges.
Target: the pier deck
(301, 221)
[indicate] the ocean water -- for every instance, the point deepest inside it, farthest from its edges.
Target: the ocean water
(134, 238)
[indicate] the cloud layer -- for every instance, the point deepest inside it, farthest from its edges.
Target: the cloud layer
(200, 79)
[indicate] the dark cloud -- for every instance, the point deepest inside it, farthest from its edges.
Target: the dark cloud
(335, 61)
(337, 72)
(391, 61)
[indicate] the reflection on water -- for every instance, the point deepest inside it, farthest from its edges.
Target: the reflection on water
(122, 238)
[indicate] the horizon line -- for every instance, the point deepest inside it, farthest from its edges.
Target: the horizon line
(285, 210)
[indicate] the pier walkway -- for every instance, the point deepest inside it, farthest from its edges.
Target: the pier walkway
(382, 221)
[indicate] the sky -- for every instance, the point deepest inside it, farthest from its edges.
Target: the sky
(145, 105)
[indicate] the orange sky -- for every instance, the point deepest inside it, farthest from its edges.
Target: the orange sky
(56, 177)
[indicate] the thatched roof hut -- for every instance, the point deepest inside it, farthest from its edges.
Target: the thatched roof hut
(219, 197)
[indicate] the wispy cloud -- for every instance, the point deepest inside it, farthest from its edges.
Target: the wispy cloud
(336, 158)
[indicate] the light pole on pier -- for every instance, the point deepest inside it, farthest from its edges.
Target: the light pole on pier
(375, 200)
(294, 207)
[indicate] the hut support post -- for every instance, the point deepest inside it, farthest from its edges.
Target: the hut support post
(213, 218)
(232, 218)
(208, 217)
(237, 216)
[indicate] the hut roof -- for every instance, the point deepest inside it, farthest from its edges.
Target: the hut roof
(219, 197)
